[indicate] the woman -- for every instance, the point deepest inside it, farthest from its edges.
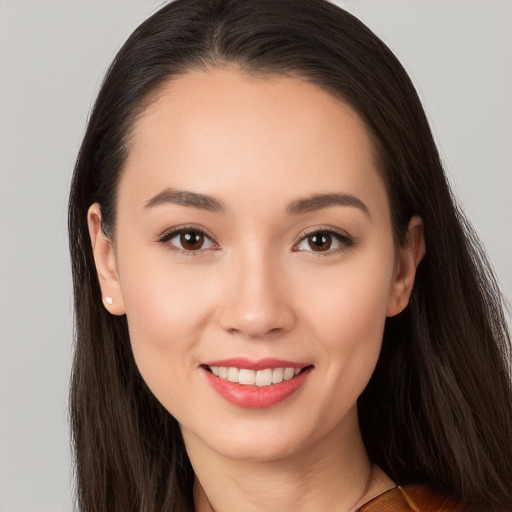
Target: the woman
(278, 305)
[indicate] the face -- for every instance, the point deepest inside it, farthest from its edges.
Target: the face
(253, 244)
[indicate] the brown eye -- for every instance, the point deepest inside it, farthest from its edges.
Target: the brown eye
(320, 241)
(324, 241)
(192, 241)
(188, 240)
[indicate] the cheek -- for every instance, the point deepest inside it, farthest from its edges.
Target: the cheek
(162, 296)
(349, 303)
(347, 311)
(167, 309)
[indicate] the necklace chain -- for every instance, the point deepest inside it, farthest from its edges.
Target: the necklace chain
(367, 486)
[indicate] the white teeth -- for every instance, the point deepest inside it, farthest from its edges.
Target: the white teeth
(259, 378)
(264, 377)
(247, 377)
(233, 374)
(289, 373)
(277, 375)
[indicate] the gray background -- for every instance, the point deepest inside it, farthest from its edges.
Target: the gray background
(52, 58)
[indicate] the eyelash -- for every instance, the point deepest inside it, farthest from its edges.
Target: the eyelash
(345, 241)
(174, 232)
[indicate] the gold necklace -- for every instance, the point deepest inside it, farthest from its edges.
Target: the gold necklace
(367, 486)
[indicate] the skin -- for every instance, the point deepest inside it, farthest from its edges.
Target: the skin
(258, 290)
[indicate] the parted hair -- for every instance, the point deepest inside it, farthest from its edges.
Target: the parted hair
(438, 408)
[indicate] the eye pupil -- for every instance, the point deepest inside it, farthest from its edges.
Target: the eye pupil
(192, 240)
(320, 241)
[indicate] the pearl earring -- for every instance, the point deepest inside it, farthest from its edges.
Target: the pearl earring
(109, 301)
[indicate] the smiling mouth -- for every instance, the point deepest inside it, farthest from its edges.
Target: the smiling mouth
(261, 378)
(256, 384)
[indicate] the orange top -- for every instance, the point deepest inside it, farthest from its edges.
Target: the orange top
(411, 498)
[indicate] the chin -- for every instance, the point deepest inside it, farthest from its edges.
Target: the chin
(258, 448)
(258, 439)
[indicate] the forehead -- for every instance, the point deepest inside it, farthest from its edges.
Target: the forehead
(224, 132)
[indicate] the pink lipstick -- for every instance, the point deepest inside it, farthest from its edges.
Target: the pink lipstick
(256, 384)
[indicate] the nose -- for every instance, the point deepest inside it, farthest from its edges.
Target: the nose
(258, 302)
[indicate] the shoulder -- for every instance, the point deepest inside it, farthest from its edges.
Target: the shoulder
(411, 498)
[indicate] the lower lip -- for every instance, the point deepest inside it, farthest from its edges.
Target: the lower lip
(256, 397)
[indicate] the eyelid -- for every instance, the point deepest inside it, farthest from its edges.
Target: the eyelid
(184, 227)
(346, 240)
(170, 233)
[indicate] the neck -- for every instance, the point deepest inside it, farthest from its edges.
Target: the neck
(332, 473)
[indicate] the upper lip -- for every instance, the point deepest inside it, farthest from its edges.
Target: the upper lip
(260, 364)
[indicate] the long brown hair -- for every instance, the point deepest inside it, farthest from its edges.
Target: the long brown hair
(438, 409)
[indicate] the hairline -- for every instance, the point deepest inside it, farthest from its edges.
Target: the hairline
(143, 107)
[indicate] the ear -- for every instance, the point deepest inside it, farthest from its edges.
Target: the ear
(105, 261)
(409, 257)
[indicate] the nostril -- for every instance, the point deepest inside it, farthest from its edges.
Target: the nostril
(257, 333)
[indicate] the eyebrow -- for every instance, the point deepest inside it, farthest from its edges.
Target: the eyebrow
(320, 201)
(185, 198)
(297, 207)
